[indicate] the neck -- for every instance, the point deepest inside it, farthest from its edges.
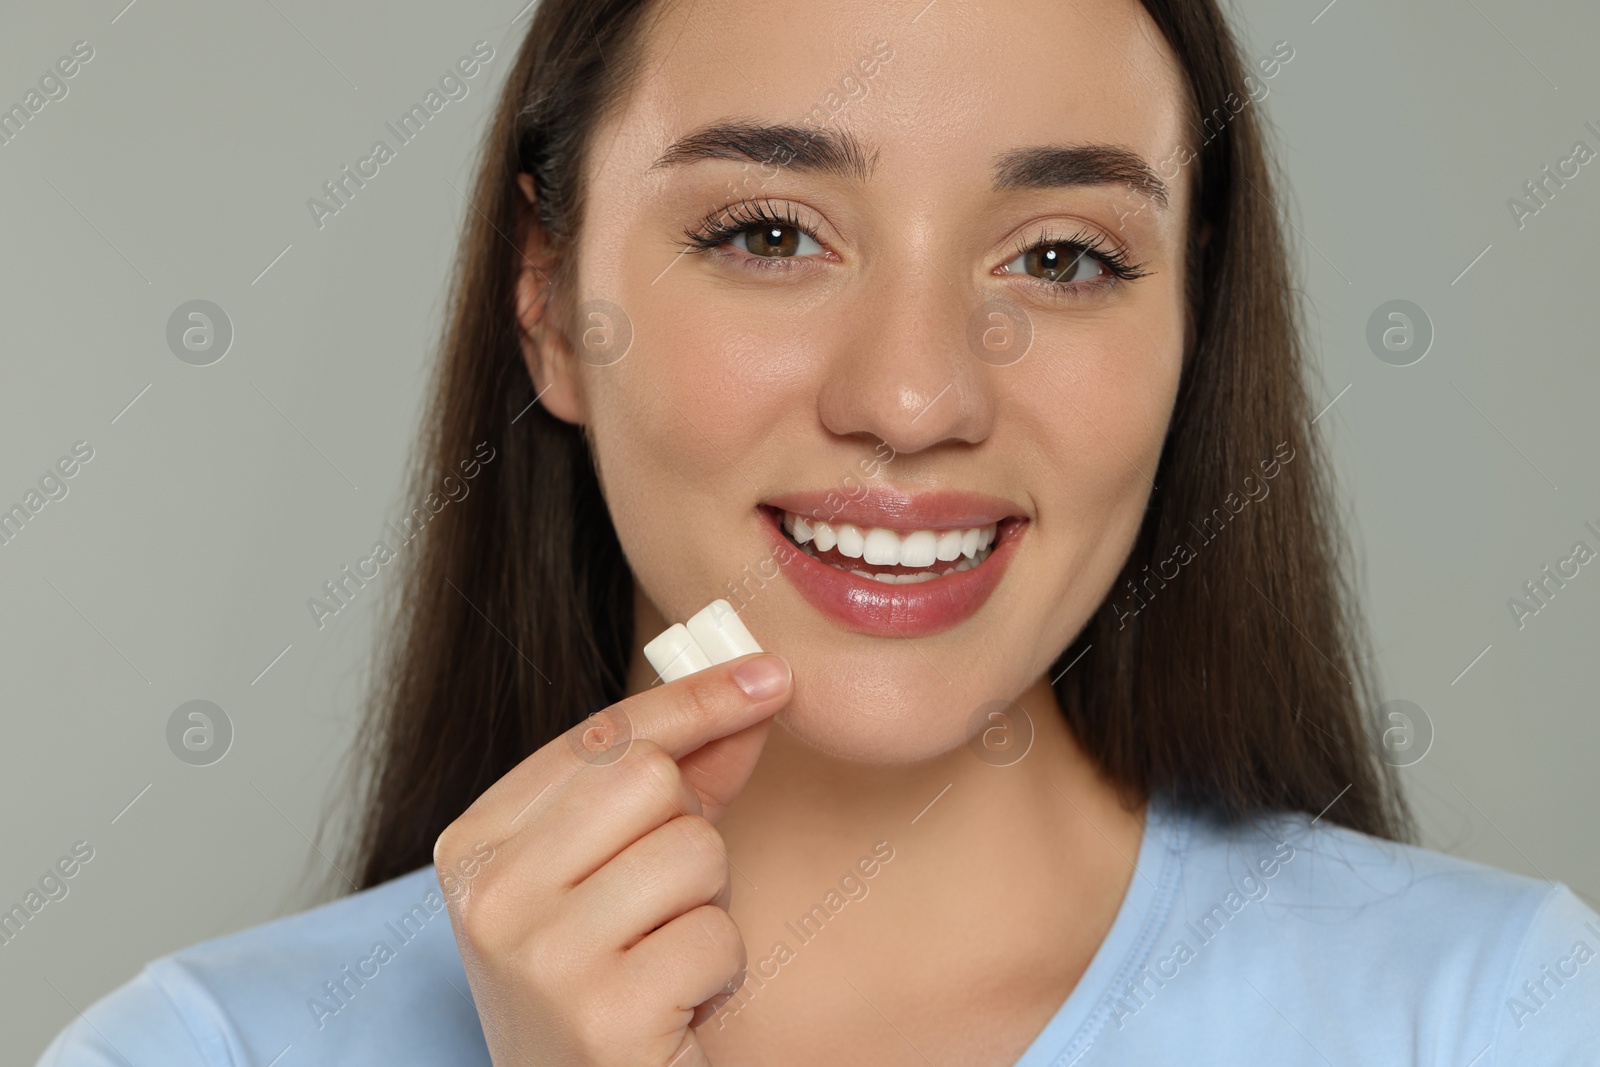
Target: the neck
(1050, 819)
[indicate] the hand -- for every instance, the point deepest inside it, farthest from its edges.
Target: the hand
(599, 934)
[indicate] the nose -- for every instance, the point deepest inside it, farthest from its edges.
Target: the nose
(905, 374)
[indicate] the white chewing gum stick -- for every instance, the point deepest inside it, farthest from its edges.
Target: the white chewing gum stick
(719, 631)
(674, 654)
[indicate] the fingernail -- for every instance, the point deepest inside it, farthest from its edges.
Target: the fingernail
(763, 677)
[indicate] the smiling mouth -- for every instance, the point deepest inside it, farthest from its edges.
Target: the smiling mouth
(893, 557)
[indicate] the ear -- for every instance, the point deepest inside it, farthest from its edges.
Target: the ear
(551, 365)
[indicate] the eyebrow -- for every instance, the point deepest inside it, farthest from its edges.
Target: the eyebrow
(817, 150)
(1049, 166)
(838, 152)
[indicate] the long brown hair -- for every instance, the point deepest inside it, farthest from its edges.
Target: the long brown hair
(1233, 684)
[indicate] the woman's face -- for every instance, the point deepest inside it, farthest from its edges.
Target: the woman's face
(944, 294)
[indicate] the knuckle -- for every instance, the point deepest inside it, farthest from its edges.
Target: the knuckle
(722, 936)
(486, 901)
(486, 918)
(445, 847)
(476, 926)
(655, 767)
(700, 700)
(700, 841)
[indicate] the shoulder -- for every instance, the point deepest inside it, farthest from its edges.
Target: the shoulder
(371, 978)
(1423, 948)
(1326, 876)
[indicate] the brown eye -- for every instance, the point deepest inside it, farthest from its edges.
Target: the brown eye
(1059, 263)
(773, 241)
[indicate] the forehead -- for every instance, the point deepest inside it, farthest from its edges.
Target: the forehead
(945, 88)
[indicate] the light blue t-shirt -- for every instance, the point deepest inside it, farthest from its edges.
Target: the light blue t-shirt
(1282, 942)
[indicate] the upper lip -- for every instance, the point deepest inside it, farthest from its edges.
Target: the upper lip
(894, 509)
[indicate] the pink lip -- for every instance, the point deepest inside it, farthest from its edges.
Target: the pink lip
(872, 607)
(893, 510)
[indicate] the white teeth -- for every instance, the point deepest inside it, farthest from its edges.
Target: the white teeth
(902, 579)
(881, 547)
(919, 549)
(851, 543)
(920, 576)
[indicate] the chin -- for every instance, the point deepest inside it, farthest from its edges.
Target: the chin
(876, 700)
(891, 720)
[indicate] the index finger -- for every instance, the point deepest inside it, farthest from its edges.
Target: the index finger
(679, 716)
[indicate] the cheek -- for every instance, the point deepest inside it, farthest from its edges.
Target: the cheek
(685, 403)
(1102, 407)
(1091, 422)
(656, 454)
(682, 427)
(704, 393)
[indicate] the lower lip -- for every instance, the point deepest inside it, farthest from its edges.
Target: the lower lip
(873, 607)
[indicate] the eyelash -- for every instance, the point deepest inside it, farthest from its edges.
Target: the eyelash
(1110, 255)
(726, 223)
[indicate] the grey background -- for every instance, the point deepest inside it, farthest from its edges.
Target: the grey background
(178, 566)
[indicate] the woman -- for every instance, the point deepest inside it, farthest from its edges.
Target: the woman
(953, 347)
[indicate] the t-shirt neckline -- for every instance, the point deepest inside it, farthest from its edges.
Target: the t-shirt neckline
(1079, 1020)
